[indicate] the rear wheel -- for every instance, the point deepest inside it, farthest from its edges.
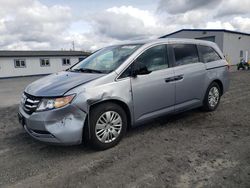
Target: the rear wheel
(108, 123)
(212, 97)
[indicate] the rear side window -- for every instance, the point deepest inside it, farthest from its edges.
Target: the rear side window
(185, 54)
(208, 54)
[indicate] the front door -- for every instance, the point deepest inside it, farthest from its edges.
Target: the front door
(153, 93)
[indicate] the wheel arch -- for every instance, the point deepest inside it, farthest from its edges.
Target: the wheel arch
(122, 104)
(219, 82)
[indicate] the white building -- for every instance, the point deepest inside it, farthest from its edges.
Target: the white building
(235, 45)
(26, 63)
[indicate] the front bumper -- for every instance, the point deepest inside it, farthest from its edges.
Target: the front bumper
(58, 126)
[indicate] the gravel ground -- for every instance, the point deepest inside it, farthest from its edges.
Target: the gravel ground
(192, 149)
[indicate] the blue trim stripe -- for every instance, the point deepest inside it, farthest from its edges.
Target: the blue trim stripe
(207, 30)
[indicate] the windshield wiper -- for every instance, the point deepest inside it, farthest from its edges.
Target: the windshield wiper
(86, 70)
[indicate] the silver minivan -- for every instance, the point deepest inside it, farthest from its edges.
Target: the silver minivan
(122, 86)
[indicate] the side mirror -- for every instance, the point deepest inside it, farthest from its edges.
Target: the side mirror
(139, 68)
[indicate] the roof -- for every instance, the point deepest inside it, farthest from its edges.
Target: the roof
(160, 40)
(207, 30)
(168, 40)
(7, 53)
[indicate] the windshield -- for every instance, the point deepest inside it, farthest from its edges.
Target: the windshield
(105, 60)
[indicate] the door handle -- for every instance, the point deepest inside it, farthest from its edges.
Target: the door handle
(170, 79)
(179, 77)
(175, 78)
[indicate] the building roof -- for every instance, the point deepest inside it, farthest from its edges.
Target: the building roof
(7, 53)
(207, 30)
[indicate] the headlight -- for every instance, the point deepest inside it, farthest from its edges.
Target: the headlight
(48, 104)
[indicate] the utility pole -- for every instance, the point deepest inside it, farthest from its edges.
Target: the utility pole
(73, 45)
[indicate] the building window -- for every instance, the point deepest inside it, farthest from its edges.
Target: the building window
(81, 58)
(20, 63)
(44, 63)
(210, 38)
(65, 61)
(241, 53)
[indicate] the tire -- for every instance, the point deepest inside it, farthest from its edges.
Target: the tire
(108, 124)
(212, 97)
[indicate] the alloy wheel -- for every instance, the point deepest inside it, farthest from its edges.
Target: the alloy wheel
(213, 96)
(108, 126)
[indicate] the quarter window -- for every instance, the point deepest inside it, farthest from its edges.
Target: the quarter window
(66, 61)
(185, 54)
(126, 73)
(208, 54)
(44, 63)
(20, 63)
(154, 58)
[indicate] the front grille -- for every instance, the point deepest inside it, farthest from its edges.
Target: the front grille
(30, 103)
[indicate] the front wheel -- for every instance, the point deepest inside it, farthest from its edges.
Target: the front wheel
(212, 97)
(108, 123)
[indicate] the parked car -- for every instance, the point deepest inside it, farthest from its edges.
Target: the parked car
(122, 86)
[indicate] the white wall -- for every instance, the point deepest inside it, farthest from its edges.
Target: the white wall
(8, 69)
(233, 44)
(200, 34)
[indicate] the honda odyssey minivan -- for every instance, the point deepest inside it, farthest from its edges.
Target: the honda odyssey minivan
(122, 86)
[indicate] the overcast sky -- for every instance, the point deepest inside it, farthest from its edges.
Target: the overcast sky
(91, 24)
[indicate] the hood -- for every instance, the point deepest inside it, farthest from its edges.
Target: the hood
(59, 83)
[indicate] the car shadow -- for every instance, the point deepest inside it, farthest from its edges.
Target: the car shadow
(24, 142)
